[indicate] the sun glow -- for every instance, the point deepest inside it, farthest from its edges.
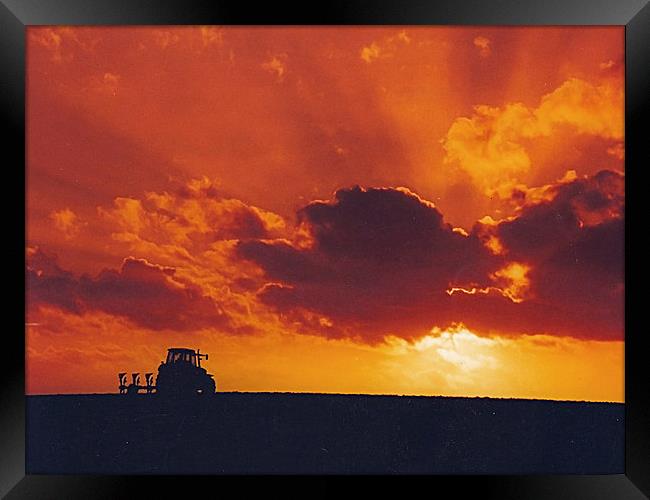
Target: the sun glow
(457, 361)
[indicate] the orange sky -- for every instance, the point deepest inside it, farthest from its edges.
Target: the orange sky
(407, 210)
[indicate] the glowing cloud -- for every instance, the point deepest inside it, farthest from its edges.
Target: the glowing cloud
(67, 222)
(386, 48)
(492, 145)
(277, 65)
(483, 44)
(515, 280)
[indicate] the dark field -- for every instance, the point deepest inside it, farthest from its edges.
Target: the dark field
(316, 433)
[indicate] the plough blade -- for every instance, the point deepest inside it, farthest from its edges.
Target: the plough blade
(134, 387)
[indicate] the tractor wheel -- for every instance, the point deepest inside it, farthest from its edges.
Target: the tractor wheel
(207, 388)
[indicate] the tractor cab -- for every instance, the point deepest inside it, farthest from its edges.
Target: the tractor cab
(182, 355)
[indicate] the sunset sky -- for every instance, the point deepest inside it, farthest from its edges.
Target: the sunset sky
(382, 210)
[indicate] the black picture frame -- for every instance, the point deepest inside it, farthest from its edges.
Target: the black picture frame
(15, 15)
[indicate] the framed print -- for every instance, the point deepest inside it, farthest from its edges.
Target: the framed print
(372, 240)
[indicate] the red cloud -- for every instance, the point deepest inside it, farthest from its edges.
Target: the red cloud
(148, 295)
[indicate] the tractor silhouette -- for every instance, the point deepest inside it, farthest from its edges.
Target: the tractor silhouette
(179, 375)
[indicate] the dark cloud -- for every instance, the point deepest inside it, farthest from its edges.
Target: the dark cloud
(574, 244)
(377, 256)
(381, 261)
(48, 283)
(148, 295)
(541, 229)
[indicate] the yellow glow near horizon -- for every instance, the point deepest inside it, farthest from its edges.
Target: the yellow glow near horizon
(452, 362)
